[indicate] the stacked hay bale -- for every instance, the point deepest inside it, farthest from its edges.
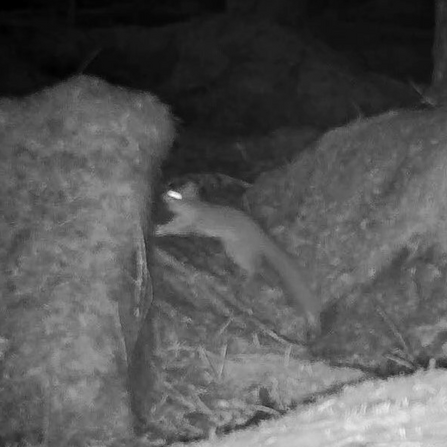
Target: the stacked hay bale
(77, 166)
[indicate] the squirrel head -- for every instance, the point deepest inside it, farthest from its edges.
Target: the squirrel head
(178, 202)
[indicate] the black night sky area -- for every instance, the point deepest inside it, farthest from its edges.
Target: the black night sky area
(418, 13)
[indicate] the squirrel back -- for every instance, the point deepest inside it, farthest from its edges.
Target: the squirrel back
(244, 241)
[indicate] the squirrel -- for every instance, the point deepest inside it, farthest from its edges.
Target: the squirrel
(244, 241)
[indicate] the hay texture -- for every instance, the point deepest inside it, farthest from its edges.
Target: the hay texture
(400, 412)
(368, 215)
(78, 161)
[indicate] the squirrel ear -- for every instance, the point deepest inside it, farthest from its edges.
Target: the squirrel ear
(189, 191)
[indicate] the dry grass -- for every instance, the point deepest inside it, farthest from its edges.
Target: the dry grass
(400, 412)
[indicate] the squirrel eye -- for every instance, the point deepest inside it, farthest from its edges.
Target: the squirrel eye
(174, 195)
